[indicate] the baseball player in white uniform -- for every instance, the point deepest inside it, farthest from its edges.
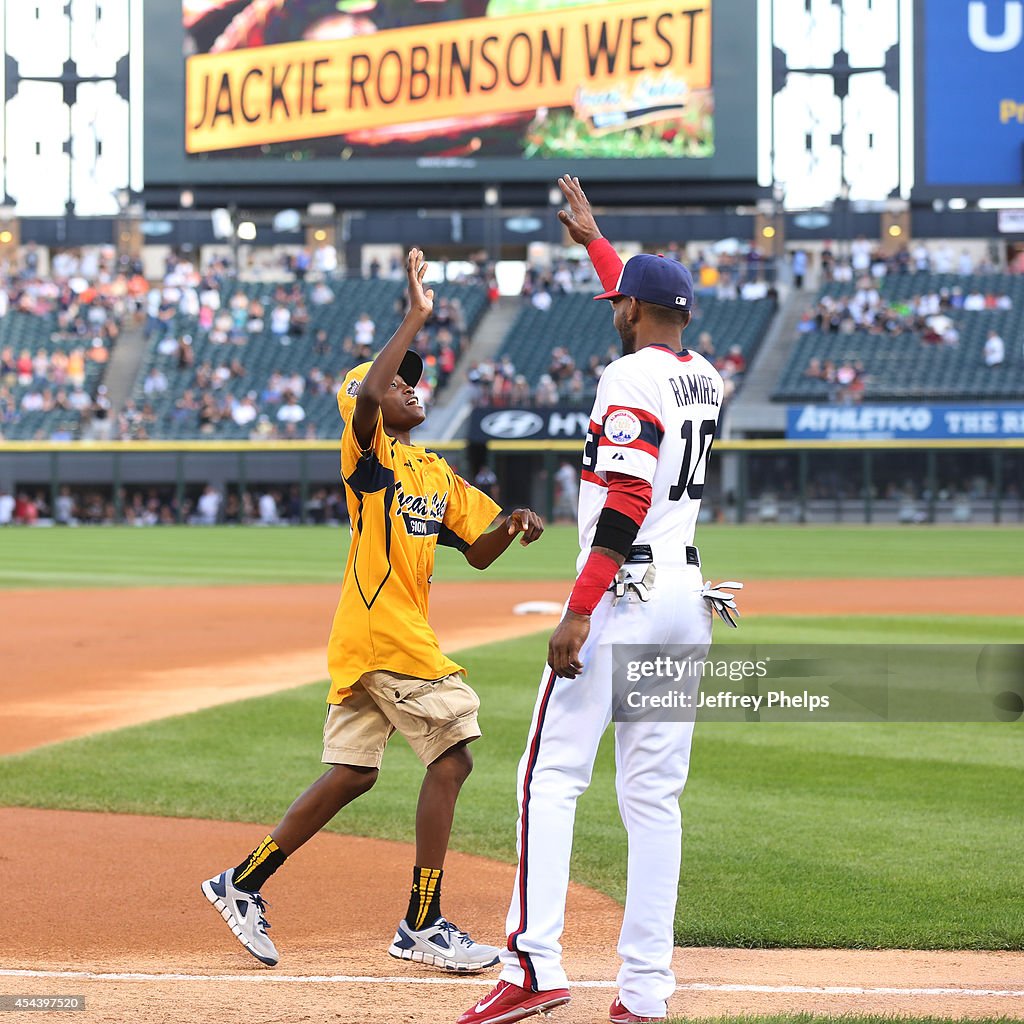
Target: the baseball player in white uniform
(642, 477)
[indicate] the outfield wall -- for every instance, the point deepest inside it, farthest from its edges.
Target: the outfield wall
(748, 481)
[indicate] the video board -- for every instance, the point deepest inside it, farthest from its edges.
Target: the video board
(969, 99)
(485, 90)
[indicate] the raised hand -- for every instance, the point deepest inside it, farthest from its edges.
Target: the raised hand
(579, 218)
(421, 302)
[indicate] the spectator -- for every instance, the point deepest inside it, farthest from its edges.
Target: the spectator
(79, 399)
(98, 352)
(705, 346)
(567, 492)
(734, 363)
(102, 414)
(25, 510)
(325, 259)
(280, 322)
(995, 349)
(208, 506)
(291, 411)
(155, 382)
(6, 507)
(486, 481)
(546, 393)
(799, 268)
(321, 294)
(541, 299)
(64, 507)
(364, 330)
(268, 514)
(244, 412)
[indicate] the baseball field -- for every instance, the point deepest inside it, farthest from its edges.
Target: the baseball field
(163, 698)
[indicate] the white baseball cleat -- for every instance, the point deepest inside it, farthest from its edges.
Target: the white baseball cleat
(442, 945)
(243, 913)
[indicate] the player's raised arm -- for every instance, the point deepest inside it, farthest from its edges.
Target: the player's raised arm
(381, 374)
(583, 230)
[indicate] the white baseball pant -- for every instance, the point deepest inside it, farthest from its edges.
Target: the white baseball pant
(651, 763)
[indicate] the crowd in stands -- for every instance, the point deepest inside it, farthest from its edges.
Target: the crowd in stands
(925, 315)
(226, 323)
(924, 321)
(864, 258)
(497, 383)
(57, 330)
(741, 274)
(722, 275)
(158, 506)
(925, 318)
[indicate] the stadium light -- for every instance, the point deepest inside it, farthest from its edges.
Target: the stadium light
(187, 199)
(491, 196)
(247, 231)
(895, 230)
(1009, 203)
(957, 204)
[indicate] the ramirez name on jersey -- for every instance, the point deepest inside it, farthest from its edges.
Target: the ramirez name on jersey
(696, 389)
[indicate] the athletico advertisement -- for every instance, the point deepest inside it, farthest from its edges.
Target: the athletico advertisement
(970, 96)
(542, 78)
(897, 422)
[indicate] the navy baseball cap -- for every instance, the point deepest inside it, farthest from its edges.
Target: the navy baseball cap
(654, 279)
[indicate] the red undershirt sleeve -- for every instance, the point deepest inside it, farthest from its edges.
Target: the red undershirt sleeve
(629, 495)
(606, 262)
(625, 508)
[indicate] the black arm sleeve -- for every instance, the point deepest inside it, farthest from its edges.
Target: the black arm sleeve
(615, 531)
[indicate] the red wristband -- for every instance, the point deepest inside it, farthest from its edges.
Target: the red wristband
(606, 262)
(595, 579)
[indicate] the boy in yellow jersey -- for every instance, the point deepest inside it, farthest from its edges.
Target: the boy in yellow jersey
(387, 670)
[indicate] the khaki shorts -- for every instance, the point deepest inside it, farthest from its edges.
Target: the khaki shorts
(433, 715)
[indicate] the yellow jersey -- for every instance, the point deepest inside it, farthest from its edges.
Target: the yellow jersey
(402, 502)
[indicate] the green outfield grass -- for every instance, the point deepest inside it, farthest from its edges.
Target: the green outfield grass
(849, 835)
(168, 556)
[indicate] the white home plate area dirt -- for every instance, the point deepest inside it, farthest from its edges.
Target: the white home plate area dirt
(117, 896)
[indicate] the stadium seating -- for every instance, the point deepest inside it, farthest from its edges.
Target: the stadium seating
(264, 353)
(584, 327)
(903, 367)
(20, 331)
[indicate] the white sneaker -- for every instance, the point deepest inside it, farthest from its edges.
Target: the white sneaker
(442, 945)
(243, 912)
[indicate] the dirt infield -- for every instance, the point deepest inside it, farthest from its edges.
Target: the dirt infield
(88, 894)
(130, 905)
(80, 661)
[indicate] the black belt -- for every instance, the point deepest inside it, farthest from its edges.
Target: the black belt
(642, 553)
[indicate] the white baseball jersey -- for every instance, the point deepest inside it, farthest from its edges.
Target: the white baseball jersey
(654, 417)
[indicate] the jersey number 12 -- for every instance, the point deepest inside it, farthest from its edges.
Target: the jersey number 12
(688, 473)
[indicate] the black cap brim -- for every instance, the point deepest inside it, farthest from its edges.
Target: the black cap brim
(411, 368)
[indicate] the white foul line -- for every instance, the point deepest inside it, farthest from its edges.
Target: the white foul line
(305, 979)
